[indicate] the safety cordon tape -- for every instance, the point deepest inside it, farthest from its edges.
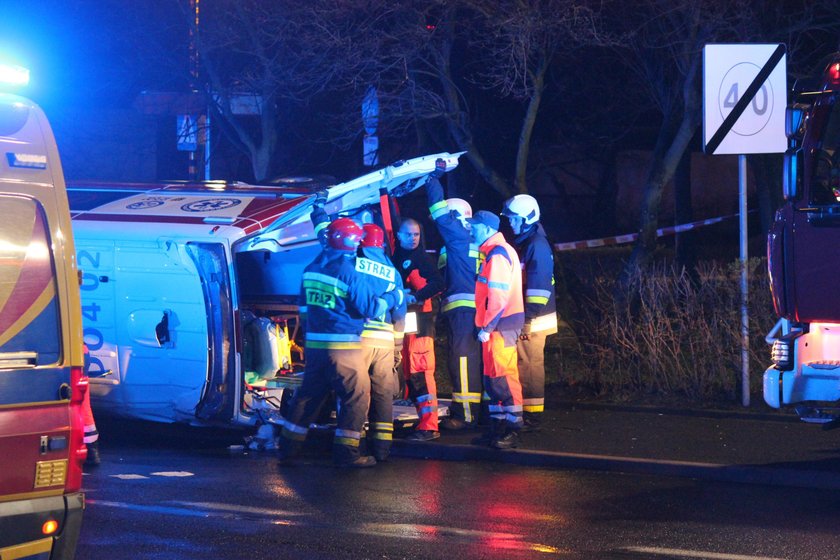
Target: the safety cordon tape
(631, 237)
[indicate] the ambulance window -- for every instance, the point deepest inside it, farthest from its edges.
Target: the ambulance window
(29, 314)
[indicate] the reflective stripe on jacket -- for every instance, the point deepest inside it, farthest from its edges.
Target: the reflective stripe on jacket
(498, 289)
(537, 260)
(337, 301)
(376, 268)
(461, 256)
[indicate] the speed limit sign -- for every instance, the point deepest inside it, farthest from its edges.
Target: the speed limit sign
(744, 99)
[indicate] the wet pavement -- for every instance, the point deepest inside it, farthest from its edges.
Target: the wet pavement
(753, 445)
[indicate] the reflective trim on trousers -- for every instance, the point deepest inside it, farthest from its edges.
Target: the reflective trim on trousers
(427, 410)
(466, 397)
(347, 437)
(334, 345)
(383, 436)
(533, 405)
(383, 426)
(91, 434)
(293, 432)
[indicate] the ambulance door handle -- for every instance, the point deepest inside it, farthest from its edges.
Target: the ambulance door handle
(104, 279)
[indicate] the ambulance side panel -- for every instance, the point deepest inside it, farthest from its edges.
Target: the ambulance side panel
(143, 295)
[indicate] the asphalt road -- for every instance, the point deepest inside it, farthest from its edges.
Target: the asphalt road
(164, 493)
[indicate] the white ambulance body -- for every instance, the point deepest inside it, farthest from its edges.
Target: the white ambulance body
(171, 271)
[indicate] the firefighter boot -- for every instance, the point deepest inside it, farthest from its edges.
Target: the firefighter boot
(92, 454)
(287, 450)
(349, 457)
(533, 422)
(506, 438)
(380, 450)
(490, 433)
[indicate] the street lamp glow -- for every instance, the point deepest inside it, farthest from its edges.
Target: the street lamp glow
(14, 75)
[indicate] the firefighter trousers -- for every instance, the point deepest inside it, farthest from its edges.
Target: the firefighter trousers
(381, 415)
(345, 371)
(419, 370)
(501, 379)
(531, 362)
(464, 363)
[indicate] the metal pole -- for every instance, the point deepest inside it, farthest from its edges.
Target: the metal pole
(207, 146)
(745, 321)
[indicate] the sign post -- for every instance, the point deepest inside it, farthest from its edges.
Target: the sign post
(744, 101)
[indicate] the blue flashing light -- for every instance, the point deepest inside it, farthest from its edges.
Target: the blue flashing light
(14, 75)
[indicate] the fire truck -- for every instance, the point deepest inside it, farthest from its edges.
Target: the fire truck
(803, 256)
(42, 381)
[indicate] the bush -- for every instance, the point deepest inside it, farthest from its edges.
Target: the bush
(667, 333)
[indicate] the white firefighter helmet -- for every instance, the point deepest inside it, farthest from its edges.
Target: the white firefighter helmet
(523, 205)
(462, 207)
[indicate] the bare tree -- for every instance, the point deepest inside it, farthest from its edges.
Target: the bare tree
(665, 40)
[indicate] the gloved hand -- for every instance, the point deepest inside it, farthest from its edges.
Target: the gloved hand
(525, 334)
(410, 299)
(381, 307)
(393, 298)
(483, 336)
(321, 198)
(440, 169)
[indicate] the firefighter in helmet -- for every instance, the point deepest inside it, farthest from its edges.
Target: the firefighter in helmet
(335, 300)
(459, 260)
(537, 260)
(379, 338)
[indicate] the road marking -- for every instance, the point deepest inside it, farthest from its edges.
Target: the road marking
(494, 540)
(173, 473)
(238, 508)
(695, 553)
(153, 509)
(129, 476)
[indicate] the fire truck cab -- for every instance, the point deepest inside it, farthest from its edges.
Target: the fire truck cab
(41, 356)
(803, 256)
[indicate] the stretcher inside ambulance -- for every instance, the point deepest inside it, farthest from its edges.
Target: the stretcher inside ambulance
(190, 290)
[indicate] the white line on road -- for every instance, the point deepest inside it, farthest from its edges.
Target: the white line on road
(695, 553)
(129, 476)
(237, 508)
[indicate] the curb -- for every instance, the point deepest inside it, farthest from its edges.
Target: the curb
(673, 411)
(712, 472)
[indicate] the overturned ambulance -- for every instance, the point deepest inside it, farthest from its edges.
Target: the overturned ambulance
(190, 291)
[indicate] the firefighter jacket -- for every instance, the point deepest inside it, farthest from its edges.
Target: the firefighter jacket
(377, 270)
(537, 261)
(419, 274)
(336, 299)
(461, 257)
(498, 288)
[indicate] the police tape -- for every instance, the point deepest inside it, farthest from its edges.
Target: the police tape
(631, 237)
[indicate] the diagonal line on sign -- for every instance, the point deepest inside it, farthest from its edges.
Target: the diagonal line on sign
(745, 100)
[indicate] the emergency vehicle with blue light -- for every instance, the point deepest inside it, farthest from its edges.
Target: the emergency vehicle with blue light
(802, 256)
(190, 290)
(41, 356)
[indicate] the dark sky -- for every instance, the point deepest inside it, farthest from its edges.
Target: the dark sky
(83, 51)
